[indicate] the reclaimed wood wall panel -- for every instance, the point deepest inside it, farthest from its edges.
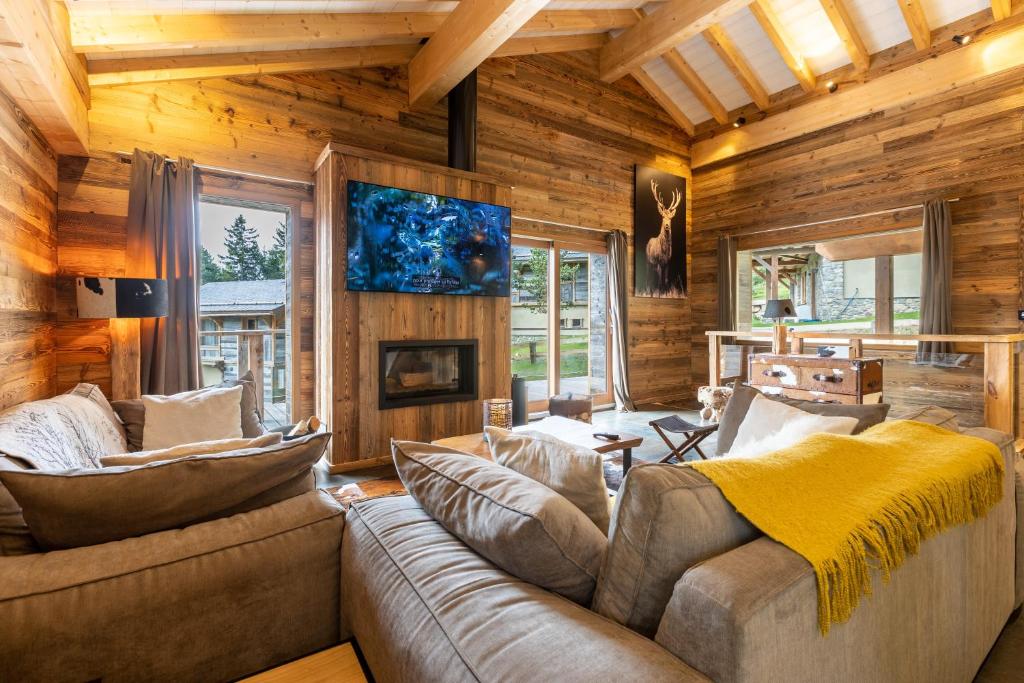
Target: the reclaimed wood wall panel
(970, 146)
(565, 141)
(353, 323)
(28, 260)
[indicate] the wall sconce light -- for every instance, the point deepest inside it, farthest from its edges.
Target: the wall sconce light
(739, 122)
(961, 39)
(832, 86)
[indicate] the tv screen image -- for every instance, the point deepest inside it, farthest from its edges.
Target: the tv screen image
(404, 241)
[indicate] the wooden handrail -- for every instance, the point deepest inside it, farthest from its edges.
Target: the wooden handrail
(254, 356)
(821, 334)
(238, 333)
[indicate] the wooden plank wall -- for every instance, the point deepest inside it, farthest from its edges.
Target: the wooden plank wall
(354, 322)
(565, 141)
(28, 260)
(970, 146)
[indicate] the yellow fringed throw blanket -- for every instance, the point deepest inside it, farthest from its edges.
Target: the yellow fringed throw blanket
(850, 503)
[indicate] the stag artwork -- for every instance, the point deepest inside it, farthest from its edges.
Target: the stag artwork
(659, 234)
(659, 249)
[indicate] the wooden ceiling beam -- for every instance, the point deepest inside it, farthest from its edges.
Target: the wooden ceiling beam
(917, 23)
(1001, 9)
(224, 65)
(470, 34)
(111, 35)
(34, 73)
(987, 55)
(723, 45)
(660, 31)
(772, 26)
(696, 84)
(662, 98)
(839, 15)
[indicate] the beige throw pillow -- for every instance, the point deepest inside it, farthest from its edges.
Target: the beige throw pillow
(185, 450)
(191, 416)
(521, 526)
(75, 508)
(575, 472)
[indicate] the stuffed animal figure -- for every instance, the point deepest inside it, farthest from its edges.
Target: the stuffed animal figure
(713, 399)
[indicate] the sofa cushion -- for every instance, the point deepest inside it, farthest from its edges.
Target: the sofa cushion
(84, 507)
(933, 415)
(867, 414)
(518, 524)
(575, 472)
(425, 607)
(667, 518)
(185, 450)
(773, 425)
(132, 412)
(191, 416)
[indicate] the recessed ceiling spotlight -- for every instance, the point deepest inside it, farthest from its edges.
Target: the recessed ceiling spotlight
(739, 122)
(961, 40)
(832, 86)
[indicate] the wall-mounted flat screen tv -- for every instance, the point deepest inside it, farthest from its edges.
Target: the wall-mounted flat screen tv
(404, 241)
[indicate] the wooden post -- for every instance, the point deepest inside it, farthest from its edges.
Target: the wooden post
(714, 360)
(1000, 397)
(124, 358)
(254, 344)
(773, 281)
(778, 339)
(856, 348)
(884, 313)
(796, 345)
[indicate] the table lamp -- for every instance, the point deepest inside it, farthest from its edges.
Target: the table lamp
(778, 310)
(123, 300)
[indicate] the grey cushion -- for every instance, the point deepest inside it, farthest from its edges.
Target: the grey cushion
(867, 414)
(667, 518)
(133, 413)
(84, 507)
(933, 415)
(425, 607)
(518, 524)
(575, 472)
(15, 538)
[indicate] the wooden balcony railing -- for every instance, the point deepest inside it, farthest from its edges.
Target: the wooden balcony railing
(250, 350)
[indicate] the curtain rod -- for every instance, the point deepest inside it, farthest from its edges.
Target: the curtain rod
(230, 171)
(837, 220)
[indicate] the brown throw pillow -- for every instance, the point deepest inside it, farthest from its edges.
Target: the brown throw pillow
(521, 526)
(84, 507)
(133, 414)
(867, 414)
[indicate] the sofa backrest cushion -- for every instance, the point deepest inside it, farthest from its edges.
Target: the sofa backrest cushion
(132, 412)
(85, 507)
(575, 472)
(867, 414)
(667, 518)
(15, 538)
(518, 524)
(185, 450)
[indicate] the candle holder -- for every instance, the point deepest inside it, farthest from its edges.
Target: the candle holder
(498, 412)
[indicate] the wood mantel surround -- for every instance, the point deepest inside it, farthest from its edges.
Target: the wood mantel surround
(350, 324)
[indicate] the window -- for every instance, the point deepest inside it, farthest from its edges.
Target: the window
(581, 331)
(243, 297)
(838, 285)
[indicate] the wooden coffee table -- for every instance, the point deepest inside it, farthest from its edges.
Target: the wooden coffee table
(570, 431)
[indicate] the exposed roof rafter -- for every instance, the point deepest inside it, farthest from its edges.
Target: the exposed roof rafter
(917, 23)
(662, 98)
(777, 34)
(839, 15)
(737, 64)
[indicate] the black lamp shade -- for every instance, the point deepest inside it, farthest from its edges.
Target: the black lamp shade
(122, 297)
(776, 309)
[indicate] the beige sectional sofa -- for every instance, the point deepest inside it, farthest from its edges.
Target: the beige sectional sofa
(688, 591)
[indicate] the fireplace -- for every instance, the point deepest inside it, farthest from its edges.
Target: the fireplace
(421, 372)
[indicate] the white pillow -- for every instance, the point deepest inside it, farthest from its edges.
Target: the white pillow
(771, 425)
(201, 415)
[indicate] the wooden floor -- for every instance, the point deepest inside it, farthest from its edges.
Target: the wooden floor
(335, 665)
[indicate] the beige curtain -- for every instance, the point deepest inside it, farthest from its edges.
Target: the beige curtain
(162, 243)
(726, 283)
(936, 280)
(618, 299)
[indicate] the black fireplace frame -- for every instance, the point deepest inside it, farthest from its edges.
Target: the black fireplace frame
(468, 367)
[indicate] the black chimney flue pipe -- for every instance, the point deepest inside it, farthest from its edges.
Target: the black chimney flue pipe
(462, 124)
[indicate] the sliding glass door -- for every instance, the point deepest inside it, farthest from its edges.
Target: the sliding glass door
(560, 330)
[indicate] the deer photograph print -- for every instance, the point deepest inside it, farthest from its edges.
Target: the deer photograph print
(659, 234)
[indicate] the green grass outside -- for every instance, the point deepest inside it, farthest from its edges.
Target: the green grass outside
(572, 361)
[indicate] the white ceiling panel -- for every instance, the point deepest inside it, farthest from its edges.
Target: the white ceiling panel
(880, 23)
(715, 74)
(942, 12)
(812, 33)
(667, 80)
(757, 48)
